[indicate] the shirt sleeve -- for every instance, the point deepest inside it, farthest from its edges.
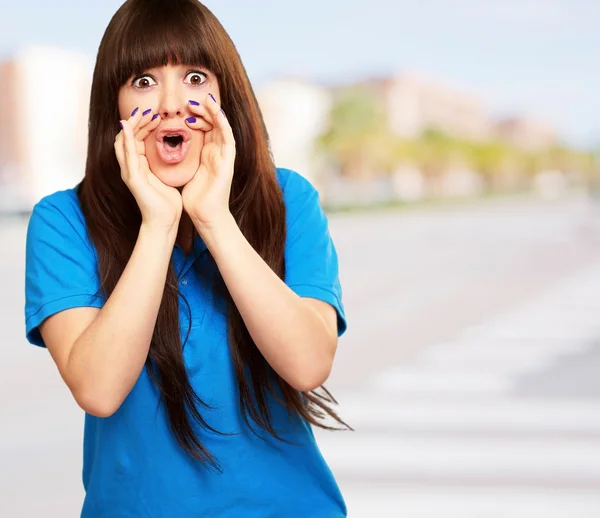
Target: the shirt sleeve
(60, 266)
(311, 258)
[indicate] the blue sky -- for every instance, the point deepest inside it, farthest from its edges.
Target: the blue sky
(535, 57)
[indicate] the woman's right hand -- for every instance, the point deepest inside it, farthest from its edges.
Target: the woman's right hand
(160, 205)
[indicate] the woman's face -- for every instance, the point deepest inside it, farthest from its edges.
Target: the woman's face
(167, 91)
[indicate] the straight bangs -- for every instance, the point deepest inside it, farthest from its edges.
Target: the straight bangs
(167, 34)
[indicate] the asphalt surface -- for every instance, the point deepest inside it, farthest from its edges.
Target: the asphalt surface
(469, 369)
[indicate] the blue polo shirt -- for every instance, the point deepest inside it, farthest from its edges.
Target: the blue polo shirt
(132, 464)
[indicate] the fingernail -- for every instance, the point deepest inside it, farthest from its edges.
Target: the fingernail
(154, 116)
(191, 120)
(212, 97)
(134, 112)
(223, 113)
(121, 124)
(194, 103)
(146, 112)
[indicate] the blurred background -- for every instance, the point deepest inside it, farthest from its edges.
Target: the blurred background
(456, 149)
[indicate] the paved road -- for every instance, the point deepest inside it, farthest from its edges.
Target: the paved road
(469, 370)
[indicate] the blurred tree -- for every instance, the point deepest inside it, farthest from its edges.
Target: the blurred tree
(498, 163)
(434, 150)
(358, 138)
(361, 145)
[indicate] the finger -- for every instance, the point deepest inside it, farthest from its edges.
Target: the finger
(200, 110)
(209, 137)
(224, 131)
(198, 123)
(135, 118)
(131, 156)
(120, 152)
(141, 118)
(140, 147)
(202, 115)
(147, 126)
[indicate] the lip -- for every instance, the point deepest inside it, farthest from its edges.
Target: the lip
(183, 132)
(177, 155)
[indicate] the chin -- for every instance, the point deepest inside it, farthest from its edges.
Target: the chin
(176, 175)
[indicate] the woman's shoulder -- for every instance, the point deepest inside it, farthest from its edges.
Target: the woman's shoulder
(60, 209)
(65, 201)
(293, 183)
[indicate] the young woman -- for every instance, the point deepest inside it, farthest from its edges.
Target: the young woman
(187, 289)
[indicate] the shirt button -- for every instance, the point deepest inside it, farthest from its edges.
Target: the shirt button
(184, 282)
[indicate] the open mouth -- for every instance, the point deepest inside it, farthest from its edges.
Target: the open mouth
(173, 141)
(172, 146)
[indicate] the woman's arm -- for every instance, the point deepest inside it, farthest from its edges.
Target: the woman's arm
(296, 335)
(100, 353)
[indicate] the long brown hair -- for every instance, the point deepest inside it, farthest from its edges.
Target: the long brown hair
(148, 33)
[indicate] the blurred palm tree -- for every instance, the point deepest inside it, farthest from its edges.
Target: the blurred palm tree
(358, 138)
(494, 161)
(434, 151)
(360, 143)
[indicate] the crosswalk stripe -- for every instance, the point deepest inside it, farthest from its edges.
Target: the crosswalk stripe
(424, 379)
(416, 502)
(573, 461)
(567, 416)
(452, 416)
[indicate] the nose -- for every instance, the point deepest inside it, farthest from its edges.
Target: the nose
(171, 101)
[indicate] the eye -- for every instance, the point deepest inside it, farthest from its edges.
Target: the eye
(143, 82)
(196, 77)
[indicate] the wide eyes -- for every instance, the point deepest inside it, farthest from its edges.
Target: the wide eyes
(193, 77)
(143, 82)
(196, 77)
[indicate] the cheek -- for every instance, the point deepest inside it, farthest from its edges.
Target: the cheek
(129, 101)
(150, 151)
(123, 106)
(197, 145)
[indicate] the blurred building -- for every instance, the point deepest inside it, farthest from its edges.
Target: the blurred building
(296, 113)
(526, 133)
(414, 104)
(13, 147)
(43, 124)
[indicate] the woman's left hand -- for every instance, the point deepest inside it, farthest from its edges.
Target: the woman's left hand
(206, 195)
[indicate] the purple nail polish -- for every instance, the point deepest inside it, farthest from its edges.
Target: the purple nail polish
(194, 103)
(146, 112)
(134, 112)
(191, 120)
(154, 116)
(212, 97)
(223, 113)
(121, 124)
